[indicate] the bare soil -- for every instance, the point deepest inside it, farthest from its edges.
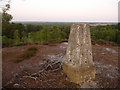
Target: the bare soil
(44, 69)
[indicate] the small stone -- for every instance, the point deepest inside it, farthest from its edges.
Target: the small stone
(16, 86)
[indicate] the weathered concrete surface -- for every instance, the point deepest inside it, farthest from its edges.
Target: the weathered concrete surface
(78, 63)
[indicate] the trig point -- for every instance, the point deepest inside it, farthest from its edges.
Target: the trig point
(78, 64)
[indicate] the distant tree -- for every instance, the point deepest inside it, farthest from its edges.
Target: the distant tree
(44, 35)
(63, 35)
(107, 33)
(32, 28)
(30, 37)
(17, 36)
(55, 32)
(66, 29)
(24, 36)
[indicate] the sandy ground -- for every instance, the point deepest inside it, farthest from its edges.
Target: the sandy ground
(44, 69)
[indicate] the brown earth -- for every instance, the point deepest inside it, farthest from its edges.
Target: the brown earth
(44, 69)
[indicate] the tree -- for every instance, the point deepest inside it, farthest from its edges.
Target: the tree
(32, 28)
(6, 18)
(30, 37)
(24, 36)
(17, 36)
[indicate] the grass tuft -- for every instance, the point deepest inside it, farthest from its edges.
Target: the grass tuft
(29, 53)
(17, 60)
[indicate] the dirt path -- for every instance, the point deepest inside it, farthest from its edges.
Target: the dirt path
(44, 69)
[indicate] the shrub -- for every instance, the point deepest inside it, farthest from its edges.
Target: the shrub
(101, 41)
(17, 60)
(29, 52)
(6, 42)
(32, 49)
(21, 44)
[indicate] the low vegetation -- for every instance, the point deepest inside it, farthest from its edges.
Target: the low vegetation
(29, 52)
(17, 60)
(47, 34)
(26, 54)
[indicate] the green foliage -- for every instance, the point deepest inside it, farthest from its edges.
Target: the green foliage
(17, 37)
(46, 34)
(24, 36)
(66, 30)
(57, 34)
(6, 41)
(104, 34)
(31, 37)
(32, 28)
(8, 29)
(6, 18)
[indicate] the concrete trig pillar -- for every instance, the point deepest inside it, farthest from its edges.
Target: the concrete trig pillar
(78, 64)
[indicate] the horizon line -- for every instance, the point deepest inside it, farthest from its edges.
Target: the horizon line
(64, 21)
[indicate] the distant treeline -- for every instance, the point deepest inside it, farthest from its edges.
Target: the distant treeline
(20, 34)
(105, 34)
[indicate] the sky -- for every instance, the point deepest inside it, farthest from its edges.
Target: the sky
(65, 10)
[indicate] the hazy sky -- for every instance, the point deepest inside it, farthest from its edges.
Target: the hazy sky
(64, 10)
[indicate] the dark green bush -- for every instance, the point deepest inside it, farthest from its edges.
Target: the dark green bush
(7, 42)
